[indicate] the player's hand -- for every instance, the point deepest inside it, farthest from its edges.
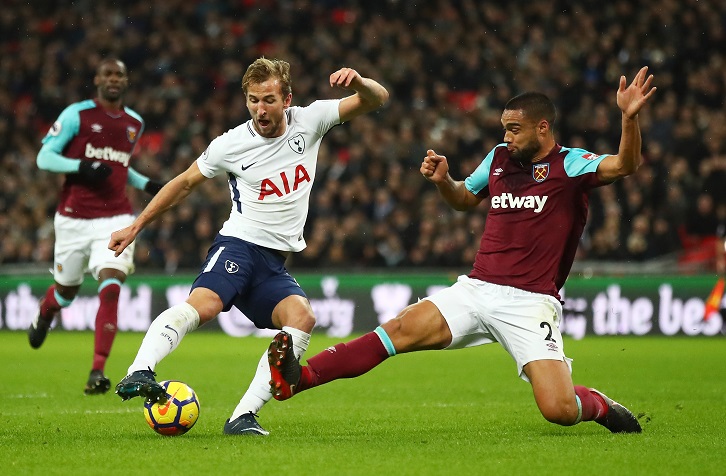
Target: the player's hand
(152, 187)
(94, 172)
(120, 240)
(434, 167)
(633, 97)
(346, 78)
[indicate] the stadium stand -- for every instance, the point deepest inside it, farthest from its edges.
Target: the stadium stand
(449, 65)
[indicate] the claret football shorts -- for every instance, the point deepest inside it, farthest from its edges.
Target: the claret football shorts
(81, 245)
(526, 324)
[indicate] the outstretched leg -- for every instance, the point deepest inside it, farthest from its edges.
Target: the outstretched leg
(418, 327)
(345, 360)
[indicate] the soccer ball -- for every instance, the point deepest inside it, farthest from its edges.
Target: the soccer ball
(180, 412)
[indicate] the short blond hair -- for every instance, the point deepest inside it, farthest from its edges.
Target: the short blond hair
(263, 69)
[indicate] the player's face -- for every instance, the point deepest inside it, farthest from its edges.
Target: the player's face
(267, 107)
(521, 136)
(111, 80)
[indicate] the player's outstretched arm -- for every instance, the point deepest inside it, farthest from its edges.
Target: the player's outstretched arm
(369, 95)
(435, 169)
(170, 195)
(631, 99)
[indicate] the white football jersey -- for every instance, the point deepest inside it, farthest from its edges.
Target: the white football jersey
(270, 179)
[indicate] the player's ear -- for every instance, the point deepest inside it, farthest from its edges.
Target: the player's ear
(288, 101)
(543, 127)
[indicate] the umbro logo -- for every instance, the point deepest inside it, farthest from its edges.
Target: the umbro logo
(498, 171)
(96, 127)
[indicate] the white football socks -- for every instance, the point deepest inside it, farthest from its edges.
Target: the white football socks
(259, 392)
(164, 335)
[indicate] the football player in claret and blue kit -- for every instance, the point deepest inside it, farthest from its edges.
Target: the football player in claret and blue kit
(539, 199)
(92, 143)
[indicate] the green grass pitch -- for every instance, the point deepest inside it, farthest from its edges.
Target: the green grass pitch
(460, 412)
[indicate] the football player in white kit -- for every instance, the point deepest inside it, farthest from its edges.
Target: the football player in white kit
(270, 161)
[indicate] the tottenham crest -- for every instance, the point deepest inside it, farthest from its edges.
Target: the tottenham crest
(297, 143)
(231, 266)
(540, 172)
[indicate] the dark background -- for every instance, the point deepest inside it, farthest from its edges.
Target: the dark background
(449, 65)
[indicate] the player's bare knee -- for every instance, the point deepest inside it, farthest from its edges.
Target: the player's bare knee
(206, 310)
(206, 302)
(395, 331)
(559, 412)
(294, 311)
(414, 329)
(305, 321)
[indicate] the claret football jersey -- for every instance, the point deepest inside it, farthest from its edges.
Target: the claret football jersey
(270, 179)
(87, 131)
(537, 215)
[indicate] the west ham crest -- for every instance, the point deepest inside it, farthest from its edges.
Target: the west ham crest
(540, 172)
(297, 143)
(131, 134)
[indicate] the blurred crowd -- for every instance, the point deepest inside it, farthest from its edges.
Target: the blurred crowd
(450, 66)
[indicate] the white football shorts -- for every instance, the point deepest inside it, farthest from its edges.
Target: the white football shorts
(81, 245)
(526, 324)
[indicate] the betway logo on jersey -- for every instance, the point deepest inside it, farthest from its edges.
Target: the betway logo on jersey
(507, 200)
(107, 153)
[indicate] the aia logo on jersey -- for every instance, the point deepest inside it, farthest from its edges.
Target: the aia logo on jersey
(297, 143)
(590, 156)
(289, 184)
(540, 172)
(131, 133)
